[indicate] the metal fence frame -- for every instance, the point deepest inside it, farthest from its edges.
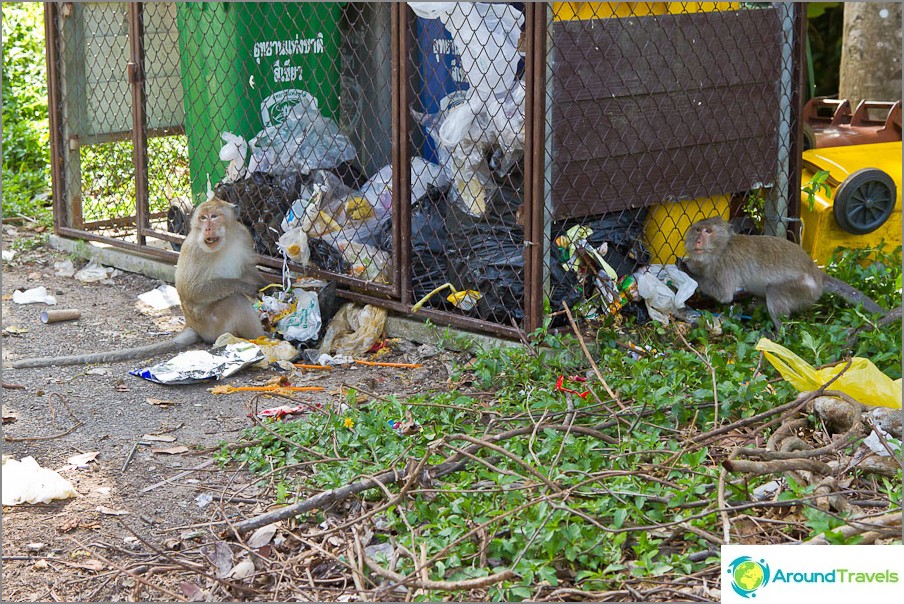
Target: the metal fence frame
(398, 295)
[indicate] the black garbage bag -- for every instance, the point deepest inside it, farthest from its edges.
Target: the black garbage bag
(623, 231)
(486, 253)
(262, 200)
(429, 264)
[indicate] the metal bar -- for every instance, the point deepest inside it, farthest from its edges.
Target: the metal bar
(53, 112)
(142, 250)
(139, 117)
(122, 221)
(395, 76)
(795, 160)
(535, 179)
(402, 190)
(115, 137)
(531, 237)
(436, 316)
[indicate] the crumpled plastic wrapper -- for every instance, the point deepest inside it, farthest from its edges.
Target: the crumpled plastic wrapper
(27, 482)
(201, 365)
(35, 295)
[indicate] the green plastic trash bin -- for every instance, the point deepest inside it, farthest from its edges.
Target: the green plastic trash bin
(244, 64)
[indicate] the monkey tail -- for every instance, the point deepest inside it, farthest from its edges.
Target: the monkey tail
(851, 294)
(187, 337)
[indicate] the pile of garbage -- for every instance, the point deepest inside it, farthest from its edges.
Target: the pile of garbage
(299, 189)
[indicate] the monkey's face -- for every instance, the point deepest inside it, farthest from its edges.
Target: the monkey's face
(706, 236)
(210, 223)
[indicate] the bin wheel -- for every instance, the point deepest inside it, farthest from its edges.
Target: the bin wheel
(864, 201)
(177, 219)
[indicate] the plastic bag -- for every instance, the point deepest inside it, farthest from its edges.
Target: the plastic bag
(665, 289)
(27, 482)
(862, 381)
(302, 324)
(353, 330)
(424, 174)
(294, 244)
(35, 295)
(304, 142)
(486, 37)
(273, 350)
(234, 151)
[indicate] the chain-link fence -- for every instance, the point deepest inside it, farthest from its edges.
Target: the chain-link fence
(550, 150)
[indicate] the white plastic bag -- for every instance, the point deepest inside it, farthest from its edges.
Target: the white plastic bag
(664, 289)
(35, 295)
(294, 244)
(234, 151)
(378, 189)
(27, 482)
(304, 323)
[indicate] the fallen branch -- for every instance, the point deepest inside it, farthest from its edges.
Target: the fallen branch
(463, 585)
(889, 524)
(449, 465)
(775, 467)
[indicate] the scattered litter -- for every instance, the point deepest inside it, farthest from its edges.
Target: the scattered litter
(388, 364)
(574, 378)
(875, 443)
(95, 273)
(27, 482)
(163, 297)
(35, 295)
(203, 500)
(665, 289)
(111, 512)
(333, 360)
(862, 381)
(64, 268)
(34, 547)
(766, 491)
(57, 316)
(283, 410)
(200, 365)
(8, 255)
(353, 330)
(273, 350)
(14, 331)
(271, 388)
(312, 367)
(405, 428)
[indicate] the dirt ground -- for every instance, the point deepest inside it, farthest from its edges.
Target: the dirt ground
(134, 499)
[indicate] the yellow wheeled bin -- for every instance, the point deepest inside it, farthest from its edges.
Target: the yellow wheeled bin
(863, 206)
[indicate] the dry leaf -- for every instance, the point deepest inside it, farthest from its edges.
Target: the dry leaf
(160, 402)
(192, 592)
(220, 555)
(92, 564)
(161, 438)
(110, 511)
(8, 416)
(262, 536)
(121, 387)
(242, 570)
(82, 460)
(171, 450)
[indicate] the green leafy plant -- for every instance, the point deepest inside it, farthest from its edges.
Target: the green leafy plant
(817, 183)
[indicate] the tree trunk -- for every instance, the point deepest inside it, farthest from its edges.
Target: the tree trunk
(871, 52)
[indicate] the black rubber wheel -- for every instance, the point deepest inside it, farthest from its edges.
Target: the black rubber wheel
(864, 201)
(177, 218)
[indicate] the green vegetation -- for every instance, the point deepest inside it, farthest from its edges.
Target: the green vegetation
(563, 506)
(26, 138)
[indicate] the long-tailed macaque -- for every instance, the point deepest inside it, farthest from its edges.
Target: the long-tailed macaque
(215, 274)
(724, 263)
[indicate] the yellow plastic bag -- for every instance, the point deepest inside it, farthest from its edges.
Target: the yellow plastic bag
(862, 381)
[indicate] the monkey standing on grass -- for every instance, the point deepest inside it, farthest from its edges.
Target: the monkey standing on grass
(768, 267)
(215, 274)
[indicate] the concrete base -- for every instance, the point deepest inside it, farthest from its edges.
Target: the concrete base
(396, 326)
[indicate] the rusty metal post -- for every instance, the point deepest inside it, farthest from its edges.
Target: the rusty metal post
(798, 75)
(401, 172)
(51, 37)
(139, 118)
(534, 163)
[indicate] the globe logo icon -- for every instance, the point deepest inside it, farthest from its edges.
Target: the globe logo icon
(748, 575)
